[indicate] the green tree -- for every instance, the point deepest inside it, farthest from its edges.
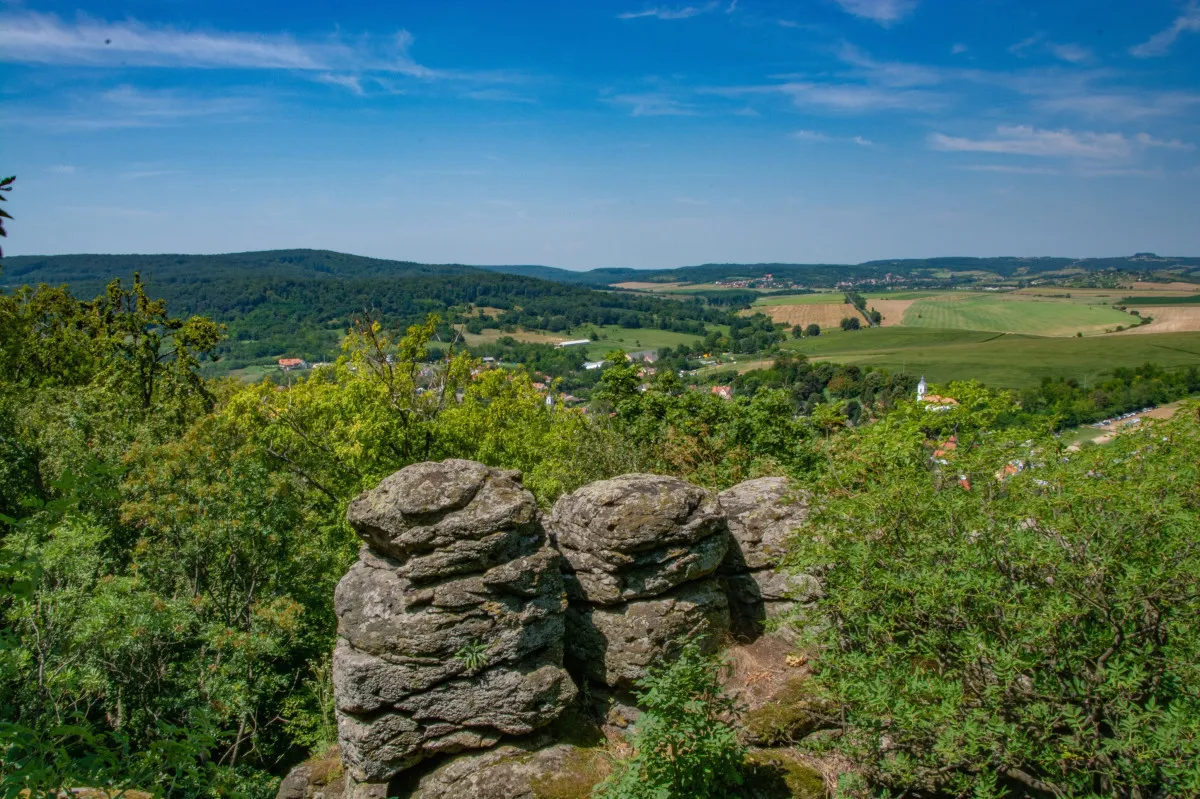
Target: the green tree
(797, 331)
(1006, 616)
(813, 329)
(683, 746)
(850, 323)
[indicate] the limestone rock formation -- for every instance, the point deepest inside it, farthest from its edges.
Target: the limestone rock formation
(762, 514)
(450, 624)
(638, 553)
(514, 772)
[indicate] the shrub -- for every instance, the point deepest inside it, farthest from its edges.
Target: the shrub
(812, 330)
(1010, 616)
(682, 748)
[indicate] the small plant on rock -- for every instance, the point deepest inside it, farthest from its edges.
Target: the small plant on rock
(682, 747)
(473, 656)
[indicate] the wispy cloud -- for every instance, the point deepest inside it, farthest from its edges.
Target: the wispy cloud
(958, 49)
(130, 107)
(1011, 170)
(823, 138)
(854, 98)
(351, 82)
(1071, 53)
(1161, 43)
(1026, 140)
(885, 12)
(499, 96)
(672, 12)
(1146, 140)
(62, 169)
(31, 37)
(652, 104)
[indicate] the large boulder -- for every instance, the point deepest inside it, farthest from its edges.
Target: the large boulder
(639, 553)
(450, 625)
(513, 772)
(762, 515)
(614, 644)
(637, 536)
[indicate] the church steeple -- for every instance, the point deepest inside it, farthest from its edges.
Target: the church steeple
(921, 388)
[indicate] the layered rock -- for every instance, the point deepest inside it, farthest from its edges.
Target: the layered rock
(639, 551)
(762, 514)
(450, 624)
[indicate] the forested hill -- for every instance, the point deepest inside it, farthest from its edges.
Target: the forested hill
(87, 274)
(300, 302)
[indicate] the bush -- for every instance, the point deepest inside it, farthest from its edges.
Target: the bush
(682, 748)
(851, 323)
(1010, 616)
(812, 330)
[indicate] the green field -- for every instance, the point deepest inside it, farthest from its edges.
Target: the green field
(824, 298)
(901, 295)
(1033, 317)
(631, 340)
(998, 359)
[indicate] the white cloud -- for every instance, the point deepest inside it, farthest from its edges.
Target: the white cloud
(351, 82)
(1072, 53)
(667, 13)
(62, 169)
(1161, 43)
(822, 138)
(129, 107)
(889, 73)
(652, 104)
(1011, 170)
(854, 98)
(1020, 47)
(885, 12)
(1146, 140)
(1122, 106)
(958, 49)
(810, 135)
(1025, 140)
(31, 37)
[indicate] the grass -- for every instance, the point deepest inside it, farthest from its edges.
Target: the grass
(902, 295)
(631, 340)
(999, 314)
(1002, 360)
(826, 298)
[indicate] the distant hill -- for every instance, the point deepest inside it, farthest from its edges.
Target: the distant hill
(87, 274)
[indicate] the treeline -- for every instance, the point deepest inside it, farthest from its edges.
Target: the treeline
(301, 303)
(1072, 404)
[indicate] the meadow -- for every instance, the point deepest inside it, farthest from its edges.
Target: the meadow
(1004, 315)
(1000, 359)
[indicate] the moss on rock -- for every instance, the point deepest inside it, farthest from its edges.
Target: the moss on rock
(780, 774)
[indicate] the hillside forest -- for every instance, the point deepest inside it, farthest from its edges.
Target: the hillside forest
(171, 541)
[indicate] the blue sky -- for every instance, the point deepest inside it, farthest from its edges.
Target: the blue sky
(584, 134)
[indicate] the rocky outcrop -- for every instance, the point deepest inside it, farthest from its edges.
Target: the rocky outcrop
(559, 771)
(762, 514)
(639, 551)
(450, 625)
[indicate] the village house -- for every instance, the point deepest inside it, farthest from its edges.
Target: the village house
(287, 364)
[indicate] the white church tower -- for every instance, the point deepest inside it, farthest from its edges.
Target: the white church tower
(921, 387)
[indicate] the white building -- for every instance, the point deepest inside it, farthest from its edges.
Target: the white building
(579, 342)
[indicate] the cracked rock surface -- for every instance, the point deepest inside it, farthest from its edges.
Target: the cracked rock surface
(450, 625)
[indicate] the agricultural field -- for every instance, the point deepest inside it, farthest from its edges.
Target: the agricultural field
(820, 298)
(826, 314)
(1008, 314)
(999, 359)
(1167, 319)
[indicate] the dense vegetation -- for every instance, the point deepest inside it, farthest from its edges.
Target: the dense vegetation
(300, 303)
(1008, 616)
